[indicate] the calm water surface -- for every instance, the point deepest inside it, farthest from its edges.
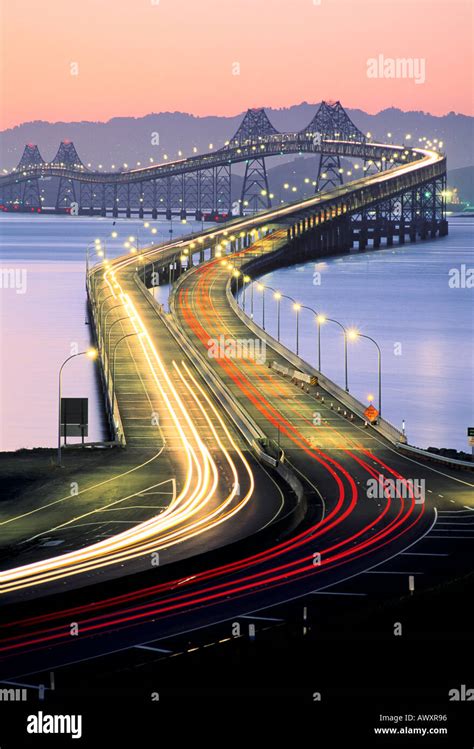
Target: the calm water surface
(399, 296)
(39, 327)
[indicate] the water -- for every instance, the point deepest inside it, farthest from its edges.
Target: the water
(40, 327)
(401, 297)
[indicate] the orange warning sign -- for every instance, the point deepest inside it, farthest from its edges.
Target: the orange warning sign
(371, 413)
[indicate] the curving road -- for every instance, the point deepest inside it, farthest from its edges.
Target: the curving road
(345, 532)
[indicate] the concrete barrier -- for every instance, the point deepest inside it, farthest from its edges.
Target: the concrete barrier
(383, 427)
(250, 431)
(114, 418)
(427, 455)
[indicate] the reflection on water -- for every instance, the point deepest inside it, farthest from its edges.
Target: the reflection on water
(46, 318)
(399, 296)
(402, 298)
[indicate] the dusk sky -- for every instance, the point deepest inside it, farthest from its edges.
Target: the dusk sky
(133, 57)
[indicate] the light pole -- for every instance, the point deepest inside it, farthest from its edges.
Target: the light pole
(236, 274)
(353, 335)
(296, 307)
(261, 288)
(322, 319)
(120, 319)
(116, 306)
(316, 315)
(92, 353)
(97, 244)
(128, 335)
(277, 296)
(246, 280)
(99, 313)
(88, 247)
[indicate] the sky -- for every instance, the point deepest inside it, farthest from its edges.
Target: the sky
(97, 59)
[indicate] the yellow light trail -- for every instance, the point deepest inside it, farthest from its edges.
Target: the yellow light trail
(198, 491)
(200, 465)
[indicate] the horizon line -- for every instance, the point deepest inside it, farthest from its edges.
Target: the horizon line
(229, 116)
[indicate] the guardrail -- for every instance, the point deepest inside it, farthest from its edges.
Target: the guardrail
(385, 428)
(444, 459)
(247, 427)
(250, 431)
(113, 412)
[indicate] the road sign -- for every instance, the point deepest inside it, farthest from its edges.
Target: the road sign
(371, 413)
(470, 431)
(470, 441)
(74, 417)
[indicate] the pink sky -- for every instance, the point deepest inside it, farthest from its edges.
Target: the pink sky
(141, 56)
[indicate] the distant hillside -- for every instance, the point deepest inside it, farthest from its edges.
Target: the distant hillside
(129, 139)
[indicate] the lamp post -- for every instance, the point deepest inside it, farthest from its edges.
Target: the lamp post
(97, 244)
(246, 280)
(277, 296)
(99, 313)
(116, 306)
(261, 288)
(92, 353)
(322, 319)
(120, 319)
(236, 274)
(316, 315)
(353, 335)
(128, 335)
(296, 307)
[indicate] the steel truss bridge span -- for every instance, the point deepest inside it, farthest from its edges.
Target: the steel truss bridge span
(406, 201)
(200, 184)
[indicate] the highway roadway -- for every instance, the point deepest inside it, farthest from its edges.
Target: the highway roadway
(193, 485)
(345, 533)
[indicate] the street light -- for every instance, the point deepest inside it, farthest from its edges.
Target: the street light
(296, 307)
(261, 288)
(322, 319)
(116, 306)
(92, 354)
(353, 335)
(99, 312)
(246, 280)
(128, 335)
(120, 319)
(236, 274)
(316, 315)
(277, 296)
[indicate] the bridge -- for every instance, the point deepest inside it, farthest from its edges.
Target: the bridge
(200, 185)
(250, 464)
